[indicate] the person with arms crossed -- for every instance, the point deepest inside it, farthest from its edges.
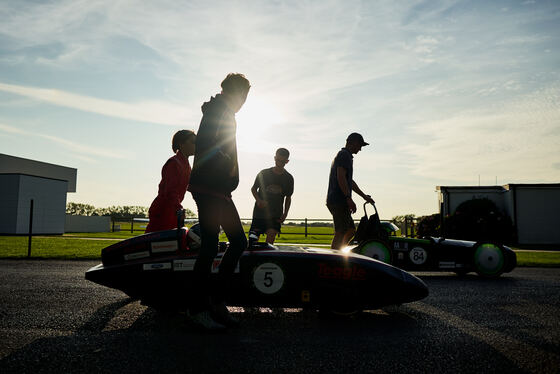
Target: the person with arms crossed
(272, 190)
(214, 176)
(339, 194)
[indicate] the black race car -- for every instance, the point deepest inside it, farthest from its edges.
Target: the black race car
(157, 268)
(378, 240)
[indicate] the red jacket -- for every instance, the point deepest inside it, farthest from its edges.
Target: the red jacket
(175, 176)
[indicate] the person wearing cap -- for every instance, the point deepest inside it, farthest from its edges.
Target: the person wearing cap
(339, 194)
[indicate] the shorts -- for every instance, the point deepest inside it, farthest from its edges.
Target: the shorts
(342, 218)
(260, 225)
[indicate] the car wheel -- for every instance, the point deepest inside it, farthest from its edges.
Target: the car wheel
(488, 260)
(376, 250)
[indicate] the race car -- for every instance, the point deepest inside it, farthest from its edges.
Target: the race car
(378, 240)
(157, 268)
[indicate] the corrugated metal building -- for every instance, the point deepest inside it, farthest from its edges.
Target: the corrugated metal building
(23, 180)
(533, 208)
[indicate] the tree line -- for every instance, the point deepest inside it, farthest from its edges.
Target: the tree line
(115, 212)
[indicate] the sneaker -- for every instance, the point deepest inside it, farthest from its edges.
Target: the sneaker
(221, 314)
(204, 321)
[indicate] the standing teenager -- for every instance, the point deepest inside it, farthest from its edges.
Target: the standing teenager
(272, 190)
(214, 176)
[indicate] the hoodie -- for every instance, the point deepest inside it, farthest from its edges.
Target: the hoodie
(215, 169)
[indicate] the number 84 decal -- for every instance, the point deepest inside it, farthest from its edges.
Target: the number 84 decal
(418, 255)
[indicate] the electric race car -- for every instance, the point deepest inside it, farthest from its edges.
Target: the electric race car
(158, 269)
(378, 240)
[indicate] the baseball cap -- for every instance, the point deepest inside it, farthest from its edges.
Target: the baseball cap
(357, 138)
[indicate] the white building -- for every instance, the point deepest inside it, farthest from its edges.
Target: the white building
(533, 208)
(23, 181)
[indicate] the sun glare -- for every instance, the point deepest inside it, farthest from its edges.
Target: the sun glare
(255, 121)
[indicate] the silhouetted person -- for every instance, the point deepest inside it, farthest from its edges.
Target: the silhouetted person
(272, 190)
(339, 195)
(214, 176)
(175, 176)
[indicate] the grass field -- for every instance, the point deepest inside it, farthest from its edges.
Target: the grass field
(53, 247)
(290, 234)
(75, 247)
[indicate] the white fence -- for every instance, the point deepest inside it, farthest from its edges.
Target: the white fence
(87, 224)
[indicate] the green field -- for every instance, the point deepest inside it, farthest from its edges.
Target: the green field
(55, 247)
(290, 234)
(76, 247)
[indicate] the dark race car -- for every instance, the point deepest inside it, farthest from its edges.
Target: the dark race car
(378, 240)
(157, 268)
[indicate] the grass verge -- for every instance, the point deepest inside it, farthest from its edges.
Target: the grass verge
(61, 248)
(538, 259)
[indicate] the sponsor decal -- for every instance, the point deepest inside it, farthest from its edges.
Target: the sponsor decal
(162, 247)
(268, 278)
(418, 255)
(184, 265)
(339, 272)
(447, 265)
(137, 255)
(400, 246)
(157, 266)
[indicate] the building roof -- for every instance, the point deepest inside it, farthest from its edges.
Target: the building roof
(498, 188)
(441, 188)
(17, 165)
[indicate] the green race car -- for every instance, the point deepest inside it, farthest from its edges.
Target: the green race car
(378, 240)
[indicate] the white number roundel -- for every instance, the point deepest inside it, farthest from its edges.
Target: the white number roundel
(418, 255)
(268, 278)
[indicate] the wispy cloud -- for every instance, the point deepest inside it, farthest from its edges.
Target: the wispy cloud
(518, 142)
(82, 151)
(151, 111)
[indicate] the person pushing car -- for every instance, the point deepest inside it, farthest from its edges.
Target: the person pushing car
(339, 193)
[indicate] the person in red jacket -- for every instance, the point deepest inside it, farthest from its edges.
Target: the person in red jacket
(175, 176)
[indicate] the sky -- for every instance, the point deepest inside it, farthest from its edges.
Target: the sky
(447, 93)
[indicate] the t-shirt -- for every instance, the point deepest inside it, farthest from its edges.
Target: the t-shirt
(344, 159)
(272, 188)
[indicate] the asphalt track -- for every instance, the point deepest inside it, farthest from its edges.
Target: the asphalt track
(53, 320)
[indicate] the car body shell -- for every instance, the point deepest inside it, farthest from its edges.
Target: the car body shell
(157, 268)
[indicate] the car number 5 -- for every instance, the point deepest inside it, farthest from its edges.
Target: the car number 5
(268, 278)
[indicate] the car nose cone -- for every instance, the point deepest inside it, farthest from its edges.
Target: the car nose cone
(415, 289)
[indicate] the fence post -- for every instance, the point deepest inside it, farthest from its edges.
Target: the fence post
(306, 227)
(405, 227)
(30, 229)
(132, 225)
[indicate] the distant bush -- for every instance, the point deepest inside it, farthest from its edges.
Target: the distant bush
(479, 219)
(429, 226)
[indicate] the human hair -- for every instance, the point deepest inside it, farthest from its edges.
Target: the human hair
(180, 137)
(283, 152)
(235, 83)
